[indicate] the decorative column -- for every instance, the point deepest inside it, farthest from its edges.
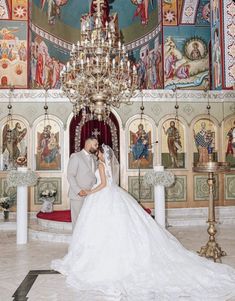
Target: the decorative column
(22, 178)
(159, 179)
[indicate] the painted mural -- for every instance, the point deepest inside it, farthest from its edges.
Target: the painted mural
(5, 9)
(45, 66)
(173, 148)
(228, 7)
(203, 13)
(48, 155)
(20, 10)
(13, 145)
(216, 71)
(189, 11)
(186, 57)
(170, 12)
(62, 17)
(148, 61)
(204, 133)
(13, 54)
(140, 153)
(229, 137)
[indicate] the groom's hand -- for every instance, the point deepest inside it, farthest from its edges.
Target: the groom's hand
(82, 193)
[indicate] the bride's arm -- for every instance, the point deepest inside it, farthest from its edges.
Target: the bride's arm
(102, 178)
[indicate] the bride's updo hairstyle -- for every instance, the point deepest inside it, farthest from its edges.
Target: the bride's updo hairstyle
(101, 149)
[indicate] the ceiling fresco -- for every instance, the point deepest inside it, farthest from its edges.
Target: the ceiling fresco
(173, 43)
(61, 18)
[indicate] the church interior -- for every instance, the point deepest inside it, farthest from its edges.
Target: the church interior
(154, 80)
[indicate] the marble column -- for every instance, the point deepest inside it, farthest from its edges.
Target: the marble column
(22, 178)
(22, 215)
(159, 179)
(159, 200)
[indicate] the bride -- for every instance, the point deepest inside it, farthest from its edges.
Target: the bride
(119, 253)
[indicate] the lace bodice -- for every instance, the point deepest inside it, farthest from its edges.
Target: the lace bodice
(97, 175)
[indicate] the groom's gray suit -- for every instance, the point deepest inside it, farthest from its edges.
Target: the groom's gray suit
(81, 176)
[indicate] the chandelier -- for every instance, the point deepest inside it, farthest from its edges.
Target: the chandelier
(99, 74)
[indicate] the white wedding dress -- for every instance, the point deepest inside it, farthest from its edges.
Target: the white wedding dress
(119, 253)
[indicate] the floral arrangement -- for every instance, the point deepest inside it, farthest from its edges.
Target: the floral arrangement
(47, 197)
(48, 193)
(5, 202)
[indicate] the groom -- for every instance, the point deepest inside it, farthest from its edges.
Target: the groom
(81, 175)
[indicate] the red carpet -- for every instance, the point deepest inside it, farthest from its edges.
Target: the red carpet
(64, 215)
(59, 216)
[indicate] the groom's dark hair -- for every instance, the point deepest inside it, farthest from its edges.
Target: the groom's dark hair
(91, 138)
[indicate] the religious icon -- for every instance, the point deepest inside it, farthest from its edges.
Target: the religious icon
(230, 141)
(53, 9)
(173, 155)
(14, 146)
(48, 149)
(140, 155)
(13, 54)
(216, 59)
(142, 10)
(204, 138)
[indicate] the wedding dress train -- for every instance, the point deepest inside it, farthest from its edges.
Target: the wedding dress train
(119, 253)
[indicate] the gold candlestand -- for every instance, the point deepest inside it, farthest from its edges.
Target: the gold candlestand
(212, 248)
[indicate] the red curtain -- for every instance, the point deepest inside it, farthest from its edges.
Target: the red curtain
(107, 133)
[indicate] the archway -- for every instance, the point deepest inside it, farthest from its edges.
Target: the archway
(106, 132)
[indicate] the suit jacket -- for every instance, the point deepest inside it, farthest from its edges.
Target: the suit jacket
(79, 174)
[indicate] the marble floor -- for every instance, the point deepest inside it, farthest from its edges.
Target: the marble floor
(25, 270)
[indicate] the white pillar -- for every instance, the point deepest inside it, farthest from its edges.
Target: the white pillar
(22, 214)
(159, 200)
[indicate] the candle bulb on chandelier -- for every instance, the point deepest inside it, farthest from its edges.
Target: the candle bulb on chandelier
(68, 66)
(78, 44)
(113, 63)
(119, 45)
(106, 61)
(82, 63)
(128, 66)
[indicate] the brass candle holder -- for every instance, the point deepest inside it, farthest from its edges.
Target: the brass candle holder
(212, 248)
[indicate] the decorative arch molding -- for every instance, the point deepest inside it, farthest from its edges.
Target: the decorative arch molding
(185, 96)
(138, 116)
(204, 116)
(109, 131)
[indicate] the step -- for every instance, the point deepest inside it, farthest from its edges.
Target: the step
(54, 224)
(38, 232)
